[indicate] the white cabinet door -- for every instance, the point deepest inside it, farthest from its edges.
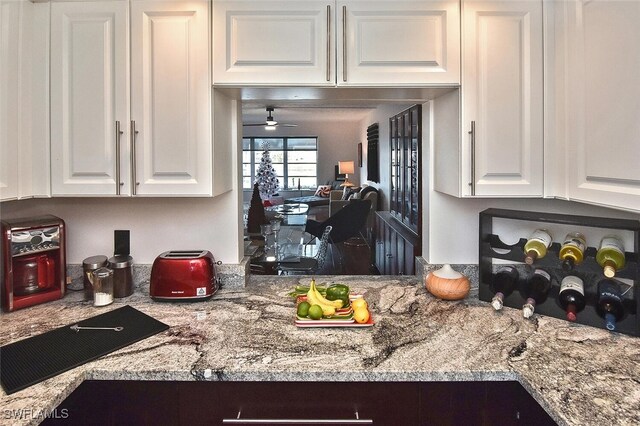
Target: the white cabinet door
(170, 98)
(287, 42)
(603, 106)
(502, 99)
(384, 42)
(89, 92)
(9, 96)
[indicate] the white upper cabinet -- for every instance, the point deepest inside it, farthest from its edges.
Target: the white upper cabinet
(398, 42)
(288, 42)
(24, 100)
(602, 61)
(89, 98)
(138, 128)
(498, 152)
(324, 43)
(9, 93)
(171, 98)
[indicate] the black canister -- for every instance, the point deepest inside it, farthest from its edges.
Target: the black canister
(122, 267)
(89, 265)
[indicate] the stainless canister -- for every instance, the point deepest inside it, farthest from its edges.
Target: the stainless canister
(89, 265)
(122, 267)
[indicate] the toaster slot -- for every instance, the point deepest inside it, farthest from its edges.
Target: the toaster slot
(183, 254)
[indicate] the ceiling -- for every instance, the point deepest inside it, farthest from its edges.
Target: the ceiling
(304, 104)
(296, 114)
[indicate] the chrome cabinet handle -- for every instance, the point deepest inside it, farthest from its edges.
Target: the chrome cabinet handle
(328, 42)
(344, 43)
(134, 132)
(118, 135)
(389, 255)
(356, 421)
(472, 184)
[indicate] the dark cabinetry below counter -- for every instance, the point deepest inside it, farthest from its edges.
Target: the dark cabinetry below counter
(396, 246)
(384, 403)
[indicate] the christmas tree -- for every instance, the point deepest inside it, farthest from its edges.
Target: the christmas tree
(256, 215)
(266, 176)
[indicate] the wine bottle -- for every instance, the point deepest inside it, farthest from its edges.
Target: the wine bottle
(537, 245)
(610, 303)
(610, 255)
(571, 296)
(572, 250)
(536, 291)
(502, 285)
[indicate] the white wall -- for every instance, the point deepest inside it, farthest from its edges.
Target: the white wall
(453, 222)
(156, 224)
(337, 141)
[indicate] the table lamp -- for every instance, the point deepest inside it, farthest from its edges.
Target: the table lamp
(344, 168)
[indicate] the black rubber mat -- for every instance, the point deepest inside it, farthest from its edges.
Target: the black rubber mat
(30, 361)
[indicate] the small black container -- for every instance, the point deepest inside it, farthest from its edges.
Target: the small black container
(122, 267)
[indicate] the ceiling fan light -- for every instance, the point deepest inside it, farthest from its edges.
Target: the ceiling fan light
(270, 127)
(271, 121)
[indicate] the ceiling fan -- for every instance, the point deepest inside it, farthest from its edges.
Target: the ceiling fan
(270, 123)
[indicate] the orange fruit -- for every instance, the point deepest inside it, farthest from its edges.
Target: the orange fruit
(359, 303)
(361, 315)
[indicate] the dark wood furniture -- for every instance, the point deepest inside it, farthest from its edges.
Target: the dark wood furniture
(405, 134)
(396, 246)
(384, 403)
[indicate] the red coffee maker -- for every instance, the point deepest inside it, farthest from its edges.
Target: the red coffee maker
(33, 261)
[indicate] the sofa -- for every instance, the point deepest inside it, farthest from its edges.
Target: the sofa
(316, 200)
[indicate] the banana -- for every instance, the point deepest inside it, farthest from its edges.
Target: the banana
(337, 304)
(314, 298)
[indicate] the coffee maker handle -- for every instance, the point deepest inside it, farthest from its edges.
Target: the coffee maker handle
(46, 272)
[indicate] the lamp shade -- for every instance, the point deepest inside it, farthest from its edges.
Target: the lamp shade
(345, 167)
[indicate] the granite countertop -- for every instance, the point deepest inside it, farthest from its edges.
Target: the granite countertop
(578, 374)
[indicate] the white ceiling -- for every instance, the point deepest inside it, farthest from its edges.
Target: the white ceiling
(297, 114)
(306, 104)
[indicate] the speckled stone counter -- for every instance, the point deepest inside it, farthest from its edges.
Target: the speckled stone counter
(579, 374)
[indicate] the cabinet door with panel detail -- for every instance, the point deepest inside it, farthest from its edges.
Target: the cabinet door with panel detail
(502, 99)
(170, 127)
(282, 42)
(398, 42)
(89, 98)
(603, 102)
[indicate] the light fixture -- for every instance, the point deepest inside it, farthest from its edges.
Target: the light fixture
(270, 127)
(345, 168)
(270, 121)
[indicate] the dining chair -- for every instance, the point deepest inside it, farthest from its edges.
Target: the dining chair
(346, 223)
(310, 265)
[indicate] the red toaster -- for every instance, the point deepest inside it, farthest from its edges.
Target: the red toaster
(183, 275)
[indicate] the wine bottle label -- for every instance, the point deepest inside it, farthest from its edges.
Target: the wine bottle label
(505, 269)
(542, 236)
(542, 273)
(610, 295)
(608, 289)
(571, 282)
(572, 240)
(612, 243)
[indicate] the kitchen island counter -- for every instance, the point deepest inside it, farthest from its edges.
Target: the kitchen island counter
(578, 374)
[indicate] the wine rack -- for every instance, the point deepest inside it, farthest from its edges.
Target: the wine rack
(494, 253)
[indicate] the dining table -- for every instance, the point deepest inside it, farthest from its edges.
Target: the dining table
(283, 247)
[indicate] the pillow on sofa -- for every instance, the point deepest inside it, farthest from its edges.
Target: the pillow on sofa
(348, 192)
(323, 191)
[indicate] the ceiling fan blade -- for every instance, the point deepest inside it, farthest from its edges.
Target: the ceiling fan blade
(288, 125)
(254, 124)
